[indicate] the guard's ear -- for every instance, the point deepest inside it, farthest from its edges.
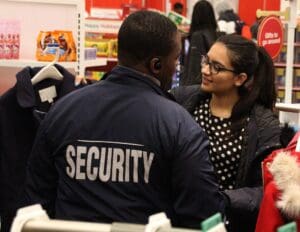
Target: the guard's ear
(155, 65)
(240, 79)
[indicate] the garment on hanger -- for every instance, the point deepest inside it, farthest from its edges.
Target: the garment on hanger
(21, 110)
(281, 199)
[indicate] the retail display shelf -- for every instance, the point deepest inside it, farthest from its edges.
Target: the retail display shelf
(284, 65)
(96, 62)
(289, 112)
(283, 88)
(288, 107)
(33, 63)
(296, 44)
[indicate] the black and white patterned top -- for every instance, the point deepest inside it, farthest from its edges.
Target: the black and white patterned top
(225, 149)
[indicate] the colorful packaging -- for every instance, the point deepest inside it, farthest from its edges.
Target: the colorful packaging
(2, 35)
(102, 45)
(9, 39)
(55, 43)
(114, 47)
(105, 43)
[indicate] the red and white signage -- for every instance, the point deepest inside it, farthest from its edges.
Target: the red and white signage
(270, 35)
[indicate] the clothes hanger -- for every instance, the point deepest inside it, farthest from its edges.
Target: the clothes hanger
(49, 71)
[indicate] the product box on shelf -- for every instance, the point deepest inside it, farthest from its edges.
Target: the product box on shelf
(296, 77)
(297, 53)
(90, 53)
(296, 96)
(280, 76)
(280, 95)
(53, 43)
(282, 55)
(102, 35)
(297, 34)
(105, 44)
(9, 39)
(182, 22)
(94, 75)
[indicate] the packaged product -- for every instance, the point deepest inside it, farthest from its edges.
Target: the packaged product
(55, 43)
(114, 47)
(102, 45)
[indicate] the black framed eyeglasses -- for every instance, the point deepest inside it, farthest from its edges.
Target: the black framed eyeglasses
(214, 67)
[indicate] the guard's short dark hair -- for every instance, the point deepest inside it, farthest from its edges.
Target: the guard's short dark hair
(145, 34)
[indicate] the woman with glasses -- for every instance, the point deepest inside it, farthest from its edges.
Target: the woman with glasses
(234, 105)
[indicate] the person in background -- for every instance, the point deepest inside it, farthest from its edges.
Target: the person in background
(234, 105)
(228, 21)
(254, 28)
(178, 8)
(202, 34)
(122, 149)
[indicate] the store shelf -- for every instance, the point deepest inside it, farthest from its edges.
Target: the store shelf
(284, 65)
(288, 107)
(97, 62)
(34, 63)
(289, 112)
(296, 44)
(283, 88)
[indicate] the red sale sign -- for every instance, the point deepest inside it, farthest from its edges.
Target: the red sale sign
(270, 35)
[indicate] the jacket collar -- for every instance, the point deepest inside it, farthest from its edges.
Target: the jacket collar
(129, 74)
(26, 92)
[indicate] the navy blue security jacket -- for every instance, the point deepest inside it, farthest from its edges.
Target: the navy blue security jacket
(120, 150)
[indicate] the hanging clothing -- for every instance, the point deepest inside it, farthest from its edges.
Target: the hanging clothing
(281, 199)
(21, 111)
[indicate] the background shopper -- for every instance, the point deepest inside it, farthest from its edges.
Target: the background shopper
(202, 34)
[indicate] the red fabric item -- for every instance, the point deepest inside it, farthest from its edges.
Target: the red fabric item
(246, 32)
(270, 217)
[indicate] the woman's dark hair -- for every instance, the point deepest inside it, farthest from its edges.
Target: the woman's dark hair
(144, 34)
(203, 17)
(259, 88)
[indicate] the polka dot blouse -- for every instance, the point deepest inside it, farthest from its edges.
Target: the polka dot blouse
(224, 150)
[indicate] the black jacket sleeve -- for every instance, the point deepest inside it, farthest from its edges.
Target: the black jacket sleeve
(195, 189)
(263, 137)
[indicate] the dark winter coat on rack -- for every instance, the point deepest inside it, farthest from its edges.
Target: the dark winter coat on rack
(21, 111)
(258, 143)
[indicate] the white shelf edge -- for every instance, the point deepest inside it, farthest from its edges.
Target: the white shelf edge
(97, 62)
(292, 107)
(27, 62)
(61, 2)
(21, 63)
